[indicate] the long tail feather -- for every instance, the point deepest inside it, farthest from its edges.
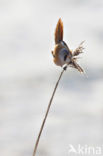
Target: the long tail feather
(59, 31)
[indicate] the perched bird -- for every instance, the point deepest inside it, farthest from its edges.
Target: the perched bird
(62, 54)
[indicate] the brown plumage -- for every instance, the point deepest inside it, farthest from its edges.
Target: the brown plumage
(59, 31)
(62, 54)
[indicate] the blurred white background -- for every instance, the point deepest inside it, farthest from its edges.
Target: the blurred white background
(28, 76)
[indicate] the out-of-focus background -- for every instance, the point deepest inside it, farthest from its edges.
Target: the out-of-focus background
(28, 76)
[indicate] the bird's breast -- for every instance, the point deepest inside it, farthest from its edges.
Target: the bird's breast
(62, 55)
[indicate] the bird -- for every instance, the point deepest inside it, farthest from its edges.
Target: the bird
(62, 55)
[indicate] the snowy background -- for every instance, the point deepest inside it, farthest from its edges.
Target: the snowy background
(28, 76)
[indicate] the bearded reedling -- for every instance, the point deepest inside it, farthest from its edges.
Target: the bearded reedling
(62, 54)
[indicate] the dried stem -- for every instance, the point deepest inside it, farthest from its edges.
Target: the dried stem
(79, 49)
(47, 111)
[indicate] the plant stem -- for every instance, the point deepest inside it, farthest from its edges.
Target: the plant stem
(47, 111)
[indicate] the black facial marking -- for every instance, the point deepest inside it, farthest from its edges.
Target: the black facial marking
(65, 57)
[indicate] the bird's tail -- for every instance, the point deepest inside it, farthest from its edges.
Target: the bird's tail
(59, 31)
